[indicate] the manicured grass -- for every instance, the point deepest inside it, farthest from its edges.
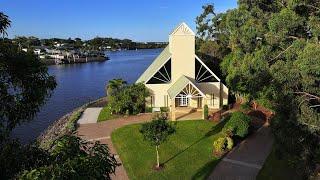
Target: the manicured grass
(276, 169)
(186, 155)
(105, 115)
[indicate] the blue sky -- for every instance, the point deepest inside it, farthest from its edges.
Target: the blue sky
(139, 20)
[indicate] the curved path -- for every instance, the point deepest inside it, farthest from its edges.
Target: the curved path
(243, 162)
(102, 132)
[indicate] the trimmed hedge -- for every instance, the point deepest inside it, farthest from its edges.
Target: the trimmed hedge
(206, 112)
(164, 109)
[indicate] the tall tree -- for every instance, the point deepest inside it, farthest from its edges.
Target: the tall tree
(114, 85)
(4, 24)
(24, 84)
(274, 59)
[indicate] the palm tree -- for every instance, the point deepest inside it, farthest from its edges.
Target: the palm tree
(114, 85)
(4, 24)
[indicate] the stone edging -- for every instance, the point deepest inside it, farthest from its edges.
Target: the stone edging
(64, 125)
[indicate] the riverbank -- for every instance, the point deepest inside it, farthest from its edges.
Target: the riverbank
(82, 83)
(74, 61)
(67, 124)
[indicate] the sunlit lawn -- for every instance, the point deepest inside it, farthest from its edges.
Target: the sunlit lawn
(186, 155)
(105, 115)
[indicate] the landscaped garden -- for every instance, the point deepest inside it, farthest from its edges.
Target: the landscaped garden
(187, 154)
(123, 100)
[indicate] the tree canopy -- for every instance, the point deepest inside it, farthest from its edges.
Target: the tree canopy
(24, 85)
(270, 52)
(157, 131)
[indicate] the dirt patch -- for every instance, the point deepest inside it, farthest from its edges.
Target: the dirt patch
(161, 167)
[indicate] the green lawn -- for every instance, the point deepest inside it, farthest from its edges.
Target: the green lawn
(105, 115)
(186, 155)
(276, 169)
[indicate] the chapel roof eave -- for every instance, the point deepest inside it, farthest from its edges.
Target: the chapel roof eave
(161, 59)
(180, 84)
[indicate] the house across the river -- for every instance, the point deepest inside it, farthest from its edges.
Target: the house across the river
(178, 78)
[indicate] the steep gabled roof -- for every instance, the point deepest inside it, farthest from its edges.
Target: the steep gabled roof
(180, 84)
(182, 29)
(163, 57)
(209, 70)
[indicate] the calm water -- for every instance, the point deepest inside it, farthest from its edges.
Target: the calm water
(81, 83)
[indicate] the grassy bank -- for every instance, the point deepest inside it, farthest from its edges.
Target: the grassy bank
(276, 169)
(186, 155)
(105, 114)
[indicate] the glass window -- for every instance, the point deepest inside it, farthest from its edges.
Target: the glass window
(202, 74)
(163, 75)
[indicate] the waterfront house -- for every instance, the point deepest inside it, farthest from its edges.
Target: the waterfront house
(178, 79)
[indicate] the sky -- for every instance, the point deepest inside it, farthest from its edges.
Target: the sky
(139, 20)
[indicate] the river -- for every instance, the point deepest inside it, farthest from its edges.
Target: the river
(81, 83)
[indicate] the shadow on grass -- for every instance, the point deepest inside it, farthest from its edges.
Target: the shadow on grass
(205, 171)
(215, 130)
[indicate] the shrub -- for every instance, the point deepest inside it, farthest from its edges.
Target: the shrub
(73, 158)
(148, 109)
(218, 145)
(164, 109)
(245, 106)
(225, 107)
(238, 124)
(205, 112)
(229, 143)
(222, 144)
(265, 103)
(129, 99)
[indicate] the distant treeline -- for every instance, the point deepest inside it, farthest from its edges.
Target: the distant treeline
(97, 43)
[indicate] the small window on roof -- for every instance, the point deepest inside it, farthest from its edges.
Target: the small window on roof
(163, 75)
(202, 74)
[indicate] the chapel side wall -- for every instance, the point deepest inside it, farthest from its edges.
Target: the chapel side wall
(159, 91)
(214, 88)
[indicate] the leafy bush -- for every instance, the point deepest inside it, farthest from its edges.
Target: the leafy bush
(73, 158)
(129, 99)
(229, 143)
(148, 109)
(205, 112)
(15, 157)
(245, 106)
(219, 144)
(222, 144)
(225, 107)
(238, 124)
(164, 109)
(265, 103)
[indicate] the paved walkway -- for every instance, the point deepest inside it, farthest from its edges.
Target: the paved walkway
(245, 161)
(102, 132)
(90, 115)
